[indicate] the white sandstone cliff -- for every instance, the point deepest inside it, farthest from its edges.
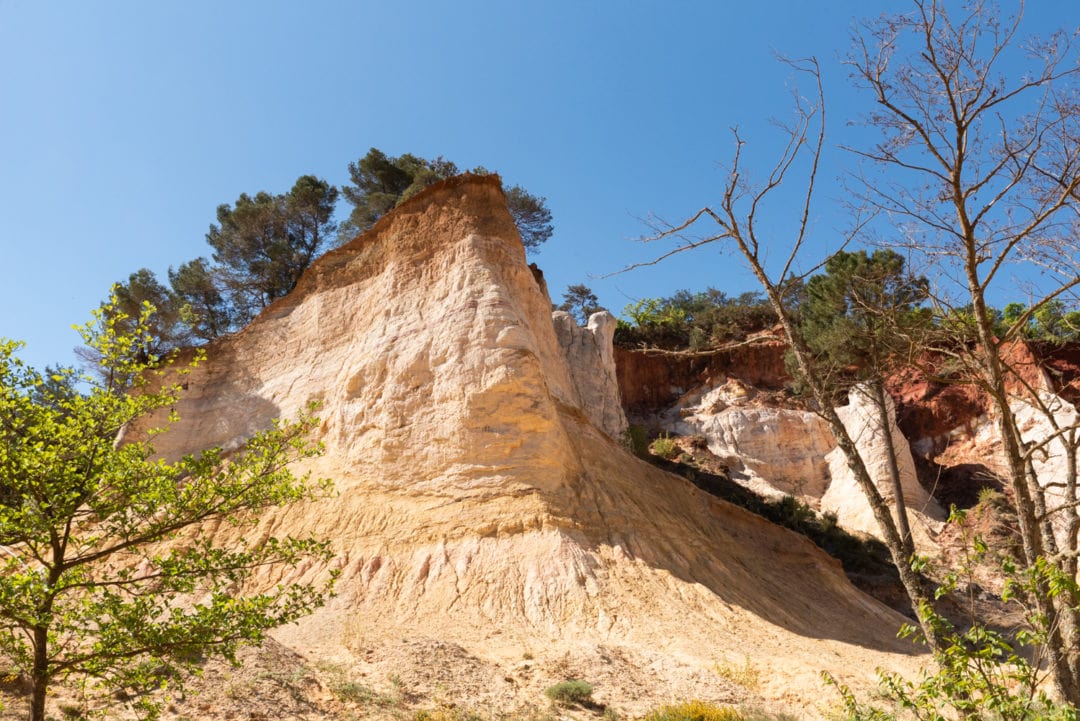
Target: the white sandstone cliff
(844, 497)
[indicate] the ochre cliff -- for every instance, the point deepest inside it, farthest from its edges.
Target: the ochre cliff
(651, 381)
(477, 504)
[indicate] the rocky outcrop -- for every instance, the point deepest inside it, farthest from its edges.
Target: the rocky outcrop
(771, 450)
(652, 381)
(591, 361)
(862, 420)
(481, 500)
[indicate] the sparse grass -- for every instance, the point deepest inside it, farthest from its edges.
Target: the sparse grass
(72, 712)
(348, 690)
(454, 713)
(570, 692)
(760, 714)
(991, 497)
(665, 447)
(354, 692)
(745, 674)
(446, 713)
(694, 711)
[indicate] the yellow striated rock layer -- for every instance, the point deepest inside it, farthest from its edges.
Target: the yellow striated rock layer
(476, 503)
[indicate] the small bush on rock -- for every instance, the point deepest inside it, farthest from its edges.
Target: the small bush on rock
(570, 692)
(694, 711)
(665, 447)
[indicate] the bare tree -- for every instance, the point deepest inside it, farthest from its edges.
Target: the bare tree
(737, 222)
(980, 169)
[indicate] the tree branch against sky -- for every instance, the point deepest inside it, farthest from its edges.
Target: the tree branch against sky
(736, 223)
(978, 165)
(109, 111)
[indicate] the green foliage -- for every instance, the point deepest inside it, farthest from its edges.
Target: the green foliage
(199, 289)
(570, 692)
(978, 672)
(745, 674)
(664, 447)
(531, 216)
(990, 497)
(636, 439)
(447, 713)
(1052, 321)
(693, 320)
(694, 711)
(859, 555)
(580, 302)
(862, 312)
(263, 243)
(105, 576)
(166, 327)
(656, 312)
(381, 182)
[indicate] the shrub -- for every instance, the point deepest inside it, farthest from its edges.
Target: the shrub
(694, 711)
(746, 674)
(570, 692)
(446, 713)
(664, 447)
(636, 439)
(693, 320)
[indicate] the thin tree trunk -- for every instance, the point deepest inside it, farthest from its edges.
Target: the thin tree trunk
(903, 527)
(1058, 646)
(916, 591)
(40, 674)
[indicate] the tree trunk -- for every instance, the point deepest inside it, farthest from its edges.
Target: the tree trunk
(916, 590)
(40, 674)
(903, 527)
(1060, 642)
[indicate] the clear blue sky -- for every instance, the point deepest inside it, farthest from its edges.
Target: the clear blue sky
(124, 124)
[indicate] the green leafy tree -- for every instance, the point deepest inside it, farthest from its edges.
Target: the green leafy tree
(264, 243)
(860, 321)
(166, 327)
(200, 292)
(380, 182)
(580, 302)
(978, 673)
(105, 575)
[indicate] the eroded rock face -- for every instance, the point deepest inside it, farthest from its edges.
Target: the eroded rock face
(481, 500)
(774, 450)
(784, 451)
(1044, 426)
(650, 382)
(844, 497)
(591, 361)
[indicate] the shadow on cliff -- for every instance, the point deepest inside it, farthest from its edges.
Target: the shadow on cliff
(664, 521)
(220, 405)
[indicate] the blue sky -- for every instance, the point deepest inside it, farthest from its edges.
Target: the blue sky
(124, 124)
